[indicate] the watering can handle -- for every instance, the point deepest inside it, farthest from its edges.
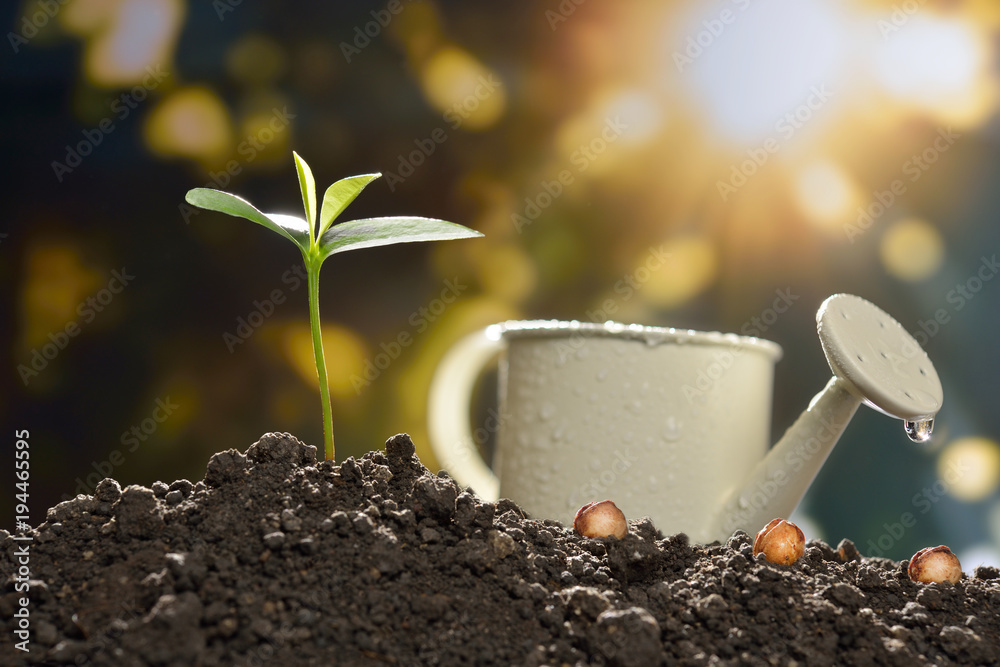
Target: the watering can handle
(448, 408)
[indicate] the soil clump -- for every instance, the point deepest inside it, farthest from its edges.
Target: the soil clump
(276, 559)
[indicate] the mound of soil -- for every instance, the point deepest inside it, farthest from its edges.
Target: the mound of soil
(275, 559)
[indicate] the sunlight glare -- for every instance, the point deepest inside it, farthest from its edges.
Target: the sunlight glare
(928, 60)
(764, 63)
(826, 194)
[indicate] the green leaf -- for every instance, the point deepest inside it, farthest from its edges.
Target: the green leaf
(372, 232)
(338, 196)
(288, 226)
(308, 185)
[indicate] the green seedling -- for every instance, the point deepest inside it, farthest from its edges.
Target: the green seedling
(319, 238)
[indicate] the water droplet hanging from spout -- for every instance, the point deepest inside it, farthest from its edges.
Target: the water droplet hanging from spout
(919, 431)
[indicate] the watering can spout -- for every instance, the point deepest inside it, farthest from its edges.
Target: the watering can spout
(874, 361)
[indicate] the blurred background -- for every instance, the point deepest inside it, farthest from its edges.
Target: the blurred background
(770, 149)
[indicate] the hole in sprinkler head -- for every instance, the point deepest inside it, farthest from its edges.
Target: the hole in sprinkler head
(923, 372)
(884, 355)
(844, 315)
(860, 358)
(881, 324)
(908, 394)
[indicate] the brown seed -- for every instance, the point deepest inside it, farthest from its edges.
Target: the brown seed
(935, 564)
(601, 519)
(780, 541)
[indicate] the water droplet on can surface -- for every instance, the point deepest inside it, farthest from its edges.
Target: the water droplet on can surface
(919, 431)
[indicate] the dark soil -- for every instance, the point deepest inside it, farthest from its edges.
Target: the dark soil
(275, 559)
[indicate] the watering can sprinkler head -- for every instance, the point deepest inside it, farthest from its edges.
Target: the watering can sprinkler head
(879, 362)
(874, 361)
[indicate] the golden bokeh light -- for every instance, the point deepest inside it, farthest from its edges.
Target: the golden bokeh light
(125, 39)
(641, 116)
(911, 250)
(345, 351)
(971, 468)
(417, 30)
(191, 122)
(469, 94)
(826, 195)
(265, 132)
(286, 406)
(593, 142)
(507, 272)
(184, 395)
(86, 17)
(600, 140)
(675, 272)
(255, 59)
(56, 284)
(936, 63)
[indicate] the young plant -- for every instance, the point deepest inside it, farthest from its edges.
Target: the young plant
(318, 238)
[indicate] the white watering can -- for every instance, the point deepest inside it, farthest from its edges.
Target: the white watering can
(671, 424)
